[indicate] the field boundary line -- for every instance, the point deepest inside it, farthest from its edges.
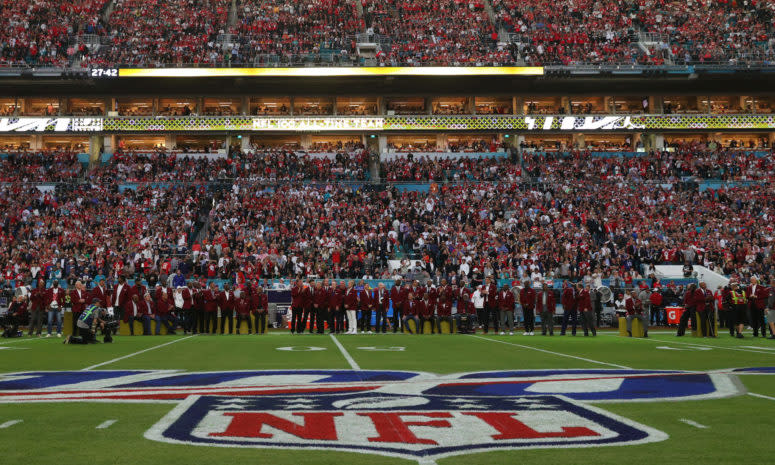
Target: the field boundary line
(26, 339)
(136, 353)
(106, 424)
(693, 344)
(345, 354)
(10, 423)
(553, 353)
(761, 396)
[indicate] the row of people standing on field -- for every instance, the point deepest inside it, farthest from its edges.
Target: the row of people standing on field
(348, 307)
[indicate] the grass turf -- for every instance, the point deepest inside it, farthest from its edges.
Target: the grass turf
(58, 433)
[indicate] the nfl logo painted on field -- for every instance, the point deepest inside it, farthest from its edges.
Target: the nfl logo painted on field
(413, 415)
(395, 425)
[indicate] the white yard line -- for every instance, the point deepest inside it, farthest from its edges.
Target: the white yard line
(693, 423)
(106, 424)
(693, 344)
(26, 339)
(10, 423)
(554, 353)
(761, 396)
(136, 353)
(344, 352)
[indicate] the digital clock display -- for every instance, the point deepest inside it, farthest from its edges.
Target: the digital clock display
(103, 72)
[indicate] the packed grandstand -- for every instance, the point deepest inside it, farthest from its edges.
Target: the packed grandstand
(415, 32)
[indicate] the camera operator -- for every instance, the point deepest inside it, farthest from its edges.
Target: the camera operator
(88, 321)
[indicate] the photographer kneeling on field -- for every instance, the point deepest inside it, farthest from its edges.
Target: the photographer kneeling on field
(88, 321)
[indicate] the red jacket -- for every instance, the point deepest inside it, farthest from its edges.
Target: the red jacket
(351, 299)
(568, 299)
(634, 306)
(122, 298)
(75, 299)
(243, 304)
(412, 307)
(376, 298)
(320, 298)
(100, 293)
(491, 295)
(57, 294)
(260, 302)
(506, 301)
(164, 306)
(757, 299)
(397, 296)
(38, 298)
(584, 301)
(366, 301)
(550, 301)
(425, 308)
(226, 303)
(466, 306)
(297, 297)
(210, 300)
(131, 311)
(700, 297)
(527, 297)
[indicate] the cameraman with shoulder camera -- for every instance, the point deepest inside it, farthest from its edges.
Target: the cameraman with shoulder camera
(88, 321)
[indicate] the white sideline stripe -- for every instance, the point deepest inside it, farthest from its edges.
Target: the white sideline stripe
(344, 352)
(105, 424)
(26, 339)
(554, 353)
(693, 423)
(692, 344)
(761, 396)
(136, 353)
(10, 423)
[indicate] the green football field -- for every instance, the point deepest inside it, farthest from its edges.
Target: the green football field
(733, 426)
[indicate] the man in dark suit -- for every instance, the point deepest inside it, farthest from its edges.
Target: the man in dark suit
(570, 312)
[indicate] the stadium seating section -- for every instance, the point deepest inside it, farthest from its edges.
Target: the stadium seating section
(411, 32)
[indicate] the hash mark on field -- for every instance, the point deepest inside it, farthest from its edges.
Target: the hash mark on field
(344, 352)
(10, 423)
(761, 396)
(106, 424)
(693, 423)
(136, 353)
(554, 353)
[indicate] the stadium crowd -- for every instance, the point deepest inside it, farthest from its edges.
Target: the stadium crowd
(565, 226)
(450, 32)
(40, 166)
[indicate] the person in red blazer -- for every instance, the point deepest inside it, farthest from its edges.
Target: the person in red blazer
(119, 296)
(757, 303)
(365, 305)
(319, 304)
(297, 306)
(381, 298)
(411, 310)
(55, 299)
(100, 292)
(163, 311)
(584, 307)
(243, 306)
(527, 298)
(78, 298)
(635, 311)
(545, 306)
(210, 303)
(37, 308)
(506, 307)
(570, 312)
(336, 305)
(309, 313)
(135, 310)
(426, 311)
(490, 305)
(226, 305)
(707, 311)
(260, 304)
(351, 308)
(444, 306)
(397, 299)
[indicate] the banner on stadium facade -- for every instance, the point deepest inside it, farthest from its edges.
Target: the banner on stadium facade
(532, 124)
(332, 71)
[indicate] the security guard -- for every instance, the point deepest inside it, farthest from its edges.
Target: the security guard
(739, 306)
